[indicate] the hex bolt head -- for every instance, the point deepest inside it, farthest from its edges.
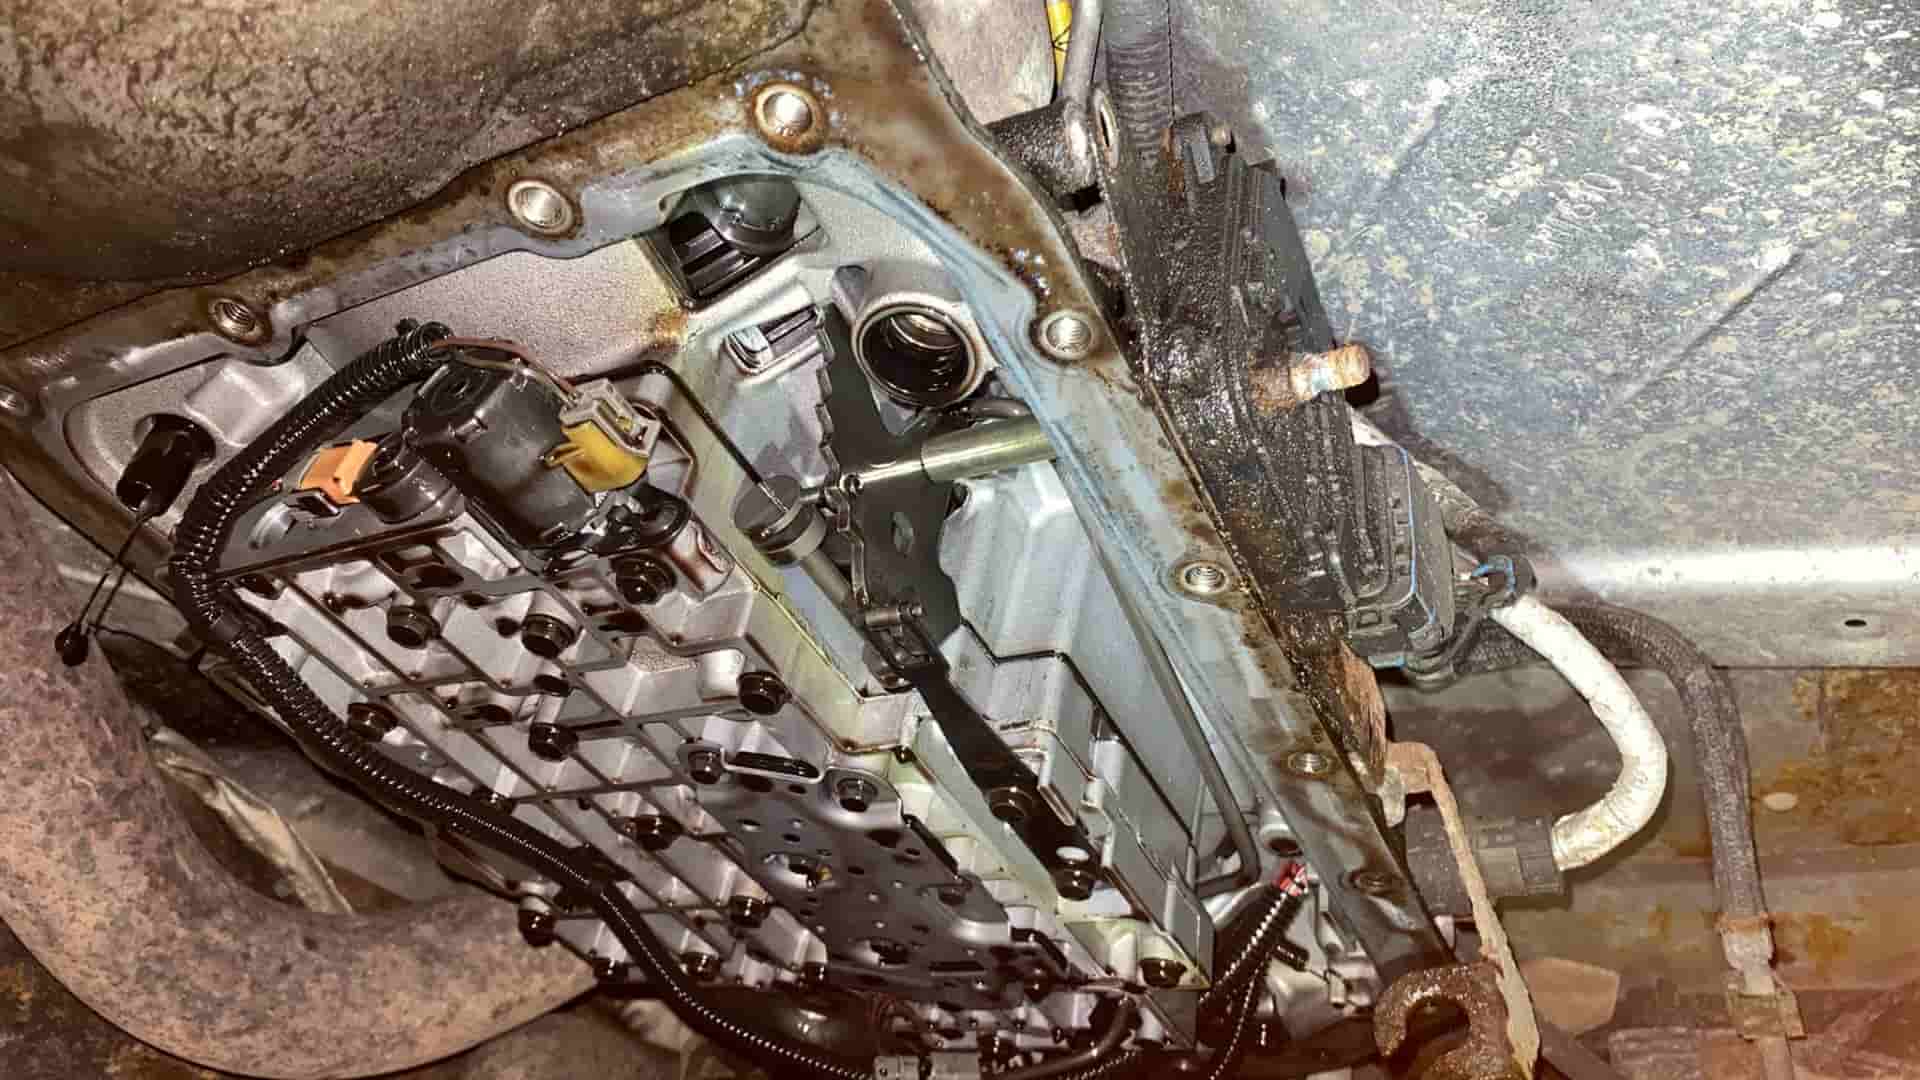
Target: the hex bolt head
(1011, 805)
(411, 627)
(855, 793)
(747, 912)
(706, 766)
(1037, 988)
(700, 966)
(369, 721)
(1161, 973)
(813, 975)
(545, 636)
(607, 970)
(642, 579)
(762, 693)
(537, 927)
(953, 895)
(1075, 882)
(551, 742)
(653, 832)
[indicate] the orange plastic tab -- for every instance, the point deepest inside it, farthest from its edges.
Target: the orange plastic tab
(335, 470)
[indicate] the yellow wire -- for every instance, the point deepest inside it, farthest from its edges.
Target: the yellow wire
(1059, 27)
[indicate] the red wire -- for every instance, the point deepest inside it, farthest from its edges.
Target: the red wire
(1292, 877)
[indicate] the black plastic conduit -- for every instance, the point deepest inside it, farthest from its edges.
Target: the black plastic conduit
(214, 614)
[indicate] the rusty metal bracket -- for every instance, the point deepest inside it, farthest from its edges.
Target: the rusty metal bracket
(1496, 973)
(1470, 987)
(1764, 1016)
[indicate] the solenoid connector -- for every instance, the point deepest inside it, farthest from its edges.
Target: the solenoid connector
(608, 442)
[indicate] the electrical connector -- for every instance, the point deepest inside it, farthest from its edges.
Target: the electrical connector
(608, 442)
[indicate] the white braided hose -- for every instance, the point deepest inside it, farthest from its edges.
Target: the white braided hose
(1586, 834)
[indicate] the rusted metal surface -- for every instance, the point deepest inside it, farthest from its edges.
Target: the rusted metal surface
(1829, 791)
(105, 884)
(169, 142)
(1286, 386)
(1876, 1039)
(1860, 783)
(1467, 987)
(1519, 1037)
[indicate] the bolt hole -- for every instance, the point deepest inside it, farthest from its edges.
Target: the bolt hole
(1309, 763)
(791, 838)
(1066, 335)
(539, 207)
(234, 319)
(785, 111)
(1204, 578)
(1856, 623)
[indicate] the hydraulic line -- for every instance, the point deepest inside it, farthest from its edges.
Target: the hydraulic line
(215, 615)
(1583, 836)
(1720, 750)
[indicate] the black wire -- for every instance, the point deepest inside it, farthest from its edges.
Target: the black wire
(118, 580)
(118, 563)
